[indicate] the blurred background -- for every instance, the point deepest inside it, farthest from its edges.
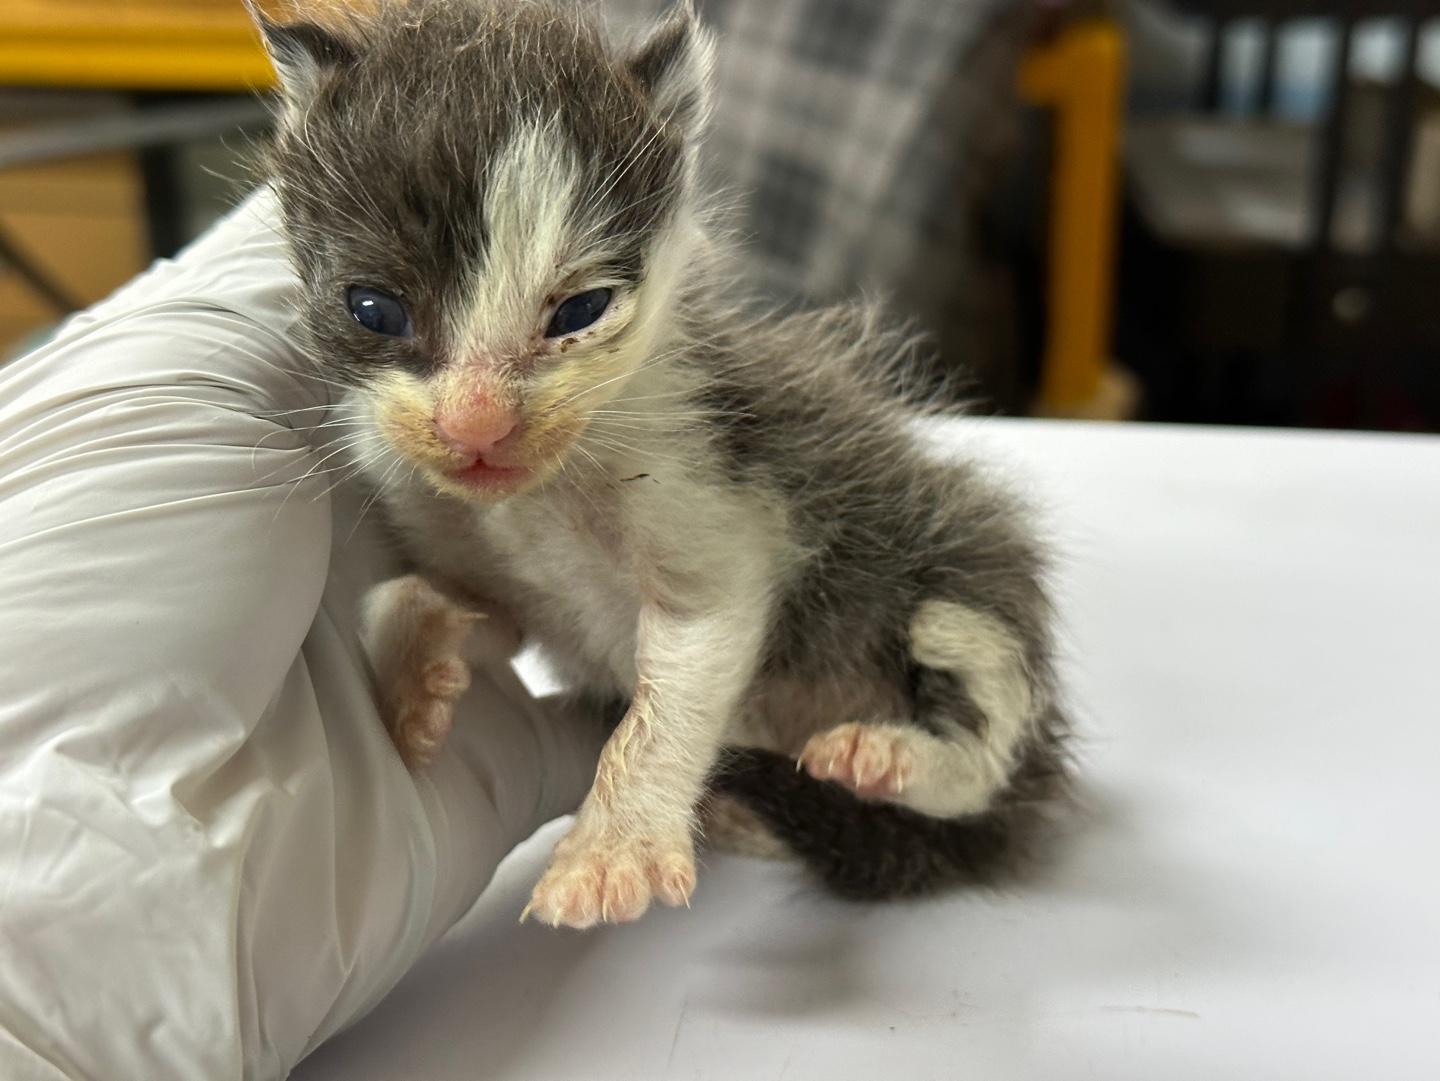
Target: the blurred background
(1221, 211)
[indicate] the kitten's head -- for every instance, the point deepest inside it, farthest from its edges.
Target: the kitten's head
(487, 207)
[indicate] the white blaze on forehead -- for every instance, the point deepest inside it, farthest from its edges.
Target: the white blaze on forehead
(528, 214)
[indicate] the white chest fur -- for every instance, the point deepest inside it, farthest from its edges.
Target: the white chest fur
(582, 557)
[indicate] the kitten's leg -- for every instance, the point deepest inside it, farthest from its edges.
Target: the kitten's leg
(417, 639)
(633, 839)
(959, 771)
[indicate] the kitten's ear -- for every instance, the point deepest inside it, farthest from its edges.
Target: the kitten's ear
(673, 66)
(303, 54)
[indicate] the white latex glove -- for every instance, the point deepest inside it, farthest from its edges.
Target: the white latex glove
(211, 857)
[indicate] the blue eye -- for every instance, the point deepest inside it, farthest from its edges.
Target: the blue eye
(578, 312)
(380, 312)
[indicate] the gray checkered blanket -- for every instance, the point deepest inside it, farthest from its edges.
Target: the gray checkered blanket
(825, 141)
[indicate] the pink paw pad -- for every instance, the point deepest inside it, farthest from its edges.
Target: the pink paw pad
(874, 761)
(611, 882)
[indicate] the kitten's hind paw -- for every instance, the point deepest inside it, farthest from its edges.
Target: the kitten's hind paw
(415, 636)
(609, 880)
(872, 760)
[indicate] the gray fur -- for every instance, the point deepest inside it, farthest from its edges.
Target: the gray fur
(383, 167)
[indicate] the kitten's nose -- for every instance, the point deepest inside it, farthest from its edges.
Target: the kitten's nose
(476, 432)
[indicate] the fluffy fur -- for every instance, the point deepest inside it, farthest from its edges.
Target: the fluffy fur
(719, 523)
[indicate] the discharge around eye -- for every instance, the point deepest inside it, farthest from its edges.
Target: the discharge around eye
(578, 312)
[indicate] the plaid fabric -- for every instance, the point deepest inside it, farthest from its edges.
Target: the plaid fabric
(824, 140)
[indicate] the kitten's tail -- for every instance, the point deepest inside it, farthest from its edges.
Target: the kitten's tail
(865, 850)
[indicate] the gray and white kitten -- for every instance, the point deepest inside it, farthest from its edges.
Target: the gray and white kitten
(814, 637)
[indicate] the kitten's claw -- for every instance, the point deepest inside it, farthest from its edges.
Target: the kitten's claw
(874, 761)
(611, 880)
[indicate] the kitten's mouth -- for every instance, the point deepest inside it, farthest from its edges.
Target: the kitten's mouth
(483, 476)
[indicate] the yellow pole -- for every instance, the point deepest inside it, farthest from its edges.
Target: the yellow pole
(132, 44)
(1081, 75)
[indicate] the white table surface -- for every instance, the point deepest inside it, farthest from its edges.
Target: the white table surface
(1252, 622)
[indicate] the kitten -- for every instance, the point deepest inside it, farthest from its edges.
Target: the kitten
(815, 639)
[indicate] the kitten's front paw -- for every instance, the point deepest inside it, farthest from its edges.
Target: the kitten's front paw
(416, 637)
(611, 879)
(874, 761)
(422, 709)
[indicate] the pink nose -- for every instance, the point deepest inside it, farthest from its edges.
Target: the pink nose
(476, 432)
